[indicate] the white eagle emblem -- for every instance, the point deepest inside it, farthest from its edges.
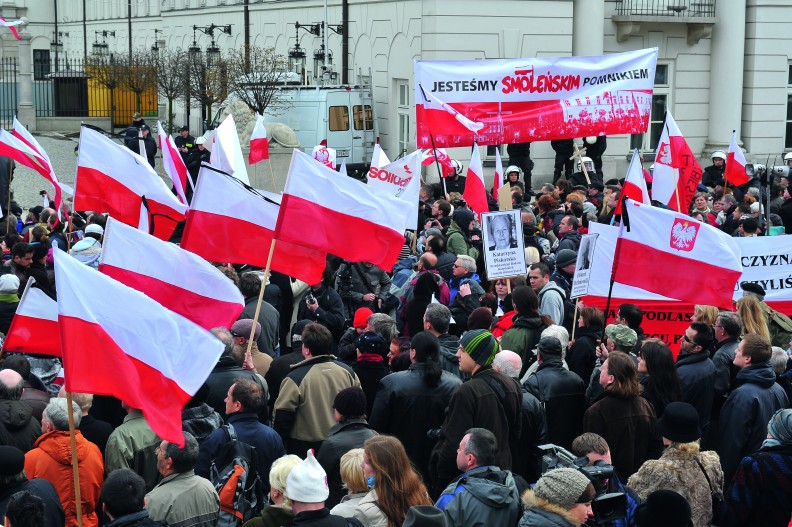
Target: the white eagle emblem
(683, 234)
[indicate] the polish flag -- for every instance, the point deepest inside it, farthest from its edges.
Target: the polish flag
(259, 144)
(475, 193)
(378, 157)
(12, 26)
(21, 133)
(113, 179)
(231, 222)
(227, 151)
(441, 156)
(34, 328)
(117, 341)
(339, 215)
(634, 184)
(735, 164)
(498, 179)
(178, 279)
(677, 173)
(673, 255)
(173, 163)
(325, 155)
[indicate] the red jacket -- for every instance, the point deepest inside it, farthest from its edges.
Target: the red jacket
(50, 459)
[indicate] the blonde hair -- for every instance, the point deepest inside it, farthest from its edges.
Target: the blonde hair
(279, 472)
(352, 472)
(706, 314)
(83, 400)
(753, 319)
(574, 197)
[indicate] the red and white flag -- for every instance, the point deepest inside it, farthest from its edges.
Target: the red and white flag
(634, 184)
(34, 328)
(402, 179)
(259, 144)
(677, 173)
(173, 163)
(378, 157)
(113, 179)
(440, 156)
(178, 279)
(475, 193)
(227, 151)
(497, 181)
(735, 164)
(11, 25)
(339, 216)
(673, 255)
(230, 222)
(117, 341)
(325, 155)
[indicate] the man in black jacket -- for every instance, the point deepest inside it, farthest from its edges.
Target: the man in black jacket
(696, 370)
(13, 480)
(323, 304)
(149, 144)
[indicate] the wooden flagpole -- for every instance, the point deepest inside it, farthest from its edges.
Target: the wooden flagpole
(75, 466)
(10, 172)
(579, 156)
(574, 320)
(260, 298)
(272, 176)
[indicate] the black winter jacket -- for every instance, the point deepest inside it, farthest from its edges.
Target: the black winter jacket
(330, 312)
(342, 438)
(564, 396)
(697, 374)
(582, 356)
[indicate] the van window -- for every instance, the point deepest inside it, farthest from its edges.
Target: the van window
(339, 118)
(363, 117)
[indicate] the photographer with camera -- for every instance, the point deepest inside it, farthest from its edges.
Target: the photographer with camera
(561, 497)
(595, 449)
(323, 305)
(362, 284)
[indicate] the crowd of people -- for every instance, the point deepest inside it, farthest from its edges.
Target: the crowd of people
(428, 395)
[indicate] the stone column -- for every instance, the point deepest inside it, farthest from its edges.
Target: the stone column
(726, 75)
(26, 112)
(588, 27)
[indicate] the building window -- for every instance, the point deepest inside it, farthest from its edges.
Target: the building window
(788, 138)
(661, 101)
(41, 64)
(363, 117)
(403, 111)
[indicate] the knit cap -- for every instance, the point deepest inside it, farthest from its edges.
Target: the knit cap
(12, 461)
(480, 318)
(361, 317)
(307, 481)
(481, 345)
(351, 402)
(780, 426)
(562, 486)
(565, 257)
(622, 336)
(370, 342)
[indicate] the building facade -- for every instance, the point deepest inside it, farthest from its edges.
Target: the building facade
(723, 64)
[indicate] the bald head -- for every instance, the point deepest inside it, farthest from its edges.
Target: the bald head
(508, 363)
(10, 385)
(428, 261)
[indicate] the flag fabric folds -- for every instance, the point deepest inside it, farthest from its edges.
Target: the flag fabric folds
(113, 179)
(11, 26)
(230, 222)
(634, 184)
(259, 144)
(178, 279)
(677, 173)
(735, 164)
(441, 157)
(497, 181)
(227, 152)
(117, 341)
(402, 179)
(673, 255)
(336, 215)
(173, 163)
(325, 155)
(34, 328)
(378, 157)
(475, 193)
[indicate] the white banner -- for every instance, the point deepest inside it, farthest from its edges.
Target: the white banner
(502, 101)
(402, 179)
(583, 264)
(504, 249)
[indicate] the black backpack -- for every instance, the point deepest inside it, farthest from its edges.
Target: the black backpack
(235, 477)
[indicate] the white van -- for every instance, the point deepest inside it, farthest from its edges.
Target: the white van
(342, 115)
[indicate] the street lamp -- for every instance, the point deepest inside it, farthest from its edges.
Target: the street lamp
(57, 44)
(155, 48)
(212, 52)
(101, 48)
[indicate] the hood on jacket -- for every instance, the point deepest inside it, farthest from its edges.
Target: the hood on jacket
(449, 344)
(552, 285)
(539, 511)
(58, 446)
(528, 322)
(759, 374)
(493, 487)
(15, 414)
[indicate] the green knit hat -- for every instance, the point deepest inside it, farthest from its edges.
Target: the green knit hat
(481, 345)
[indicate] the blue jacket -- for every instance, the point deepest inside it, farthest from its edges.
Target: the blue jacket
(481, 496)
(266, 441)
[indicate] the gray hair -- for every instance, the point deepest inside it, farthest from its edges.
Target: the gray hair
(384, 325)
(439, 316)
(224, 334)
(184, 459)
(508, 363)
(559, 332)
(778, 360)
(731, 322)
(482, 445)
(467, 262)
(55, 412)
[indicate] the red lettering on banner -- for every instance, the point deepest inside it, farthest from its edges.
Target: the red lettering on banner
(524, 81)
(388, 177)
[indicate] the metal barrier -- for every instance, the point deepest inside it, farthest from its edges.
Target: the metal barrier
(8, 91)
(672, 8)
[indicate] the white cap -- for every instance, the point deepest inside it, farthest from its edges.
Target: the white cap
(94, 228)
(201, 140)
(9, 283)
(307, 481)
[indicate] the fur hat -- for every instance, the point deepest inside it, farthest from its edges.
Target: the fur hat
(481, 345)
(307, 481)
(562, 486)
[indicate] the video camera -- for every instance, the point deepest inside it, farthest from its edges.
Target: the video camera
(607, 507)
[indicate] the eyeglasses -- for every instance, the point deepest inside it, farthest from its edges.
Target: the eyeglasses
(686, 339)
